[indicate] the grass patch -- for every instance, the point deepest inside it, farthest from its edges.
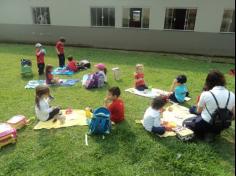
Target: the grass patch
(129, 150)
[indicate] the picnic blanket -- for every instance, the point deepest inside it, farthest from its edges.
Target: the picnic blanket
(150, 93)
(62, 71)
(166, 134)
(63, 82)
(176, 114)
(76, 118)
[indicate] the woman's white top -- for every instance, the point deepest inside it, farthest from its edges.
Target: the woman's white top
(42, 113)
(151, 119)
(207, 100)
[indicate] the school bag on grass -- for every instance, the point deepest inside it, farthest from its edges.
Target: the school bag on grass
(84, 64)
(94, 81)
(221, 118)
(100, 123)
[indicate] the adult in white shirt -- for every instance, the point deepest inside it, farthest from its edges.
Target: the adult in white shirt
(215, 84)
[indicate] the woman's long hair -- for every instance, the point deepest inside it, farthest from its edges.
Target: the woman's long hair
(40, 91)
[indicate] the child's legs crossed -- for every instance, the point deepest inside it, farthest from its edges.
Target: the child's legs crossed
(158, 130)
(173, 98)
(53, 113)
(141, 88)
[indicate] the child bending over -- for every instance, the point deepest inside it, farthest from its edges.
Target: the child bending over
(179, 89)
(139, 78)
(115, 104)
(42, 109)
(72, 64)
(152, 116)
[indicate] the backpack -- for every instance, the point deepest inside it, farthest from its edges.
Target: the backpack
(221, 118)
(84, 64)
(94, 81)
(25, 62)
(100, 122)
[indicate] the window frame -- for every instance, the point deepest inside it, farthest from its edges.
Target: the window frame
(103, 7)
(135, 7)
(223, 19)
(40, 7)
(181, 30)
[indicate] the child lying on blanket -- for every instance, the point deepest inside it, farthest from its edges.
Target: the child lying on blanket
(49, 77)
(179, 89)
(152, 116)
(139, 78)
(115, 105)
(73, 65)
(42, 109)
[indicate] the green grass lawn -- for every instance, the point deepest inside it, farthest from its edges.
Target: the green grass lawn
(129, 150)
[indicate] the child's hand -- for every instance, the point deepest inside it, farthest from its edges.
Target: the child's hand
(175, 81)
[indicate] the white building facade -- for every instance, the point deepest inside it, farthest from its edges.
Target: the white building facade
(182, 26)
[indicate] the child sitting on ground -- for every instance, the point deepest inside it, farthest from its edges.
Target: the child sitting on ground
(40, 53)
(72, 64)
(179, 89)
(101, 70)
(139, 78)
(42, 109)
(115, 104)
(152, 116)
(49, 77)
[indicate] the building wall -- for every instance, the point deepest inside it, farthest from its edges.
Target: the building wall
(71, 18)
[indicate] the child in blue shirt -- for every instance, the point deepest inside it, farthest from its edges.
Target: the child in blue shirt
(179, 89)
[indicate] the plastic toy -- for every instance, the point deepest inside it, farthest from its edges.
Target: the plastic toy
(7, 134)
(17, 122)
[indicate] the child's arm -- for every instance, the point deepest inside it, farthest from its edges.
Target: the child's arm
(57, 50)
(107, 102)
(173, 85)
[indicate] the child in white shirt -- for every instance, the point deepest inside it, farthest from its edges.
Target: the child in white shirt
(42, 109)
(151, 120)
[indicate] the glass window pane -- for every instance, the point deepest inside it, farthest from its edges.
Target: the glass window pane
(112, 17)
(146, 16)
(169, 19)
(228, 23)
(34, 15)
(105, 17)
(99, 17)
(191, 19)
(93, 17)
(41, 15)
(126, 17)
(135, 17)
(47, 16)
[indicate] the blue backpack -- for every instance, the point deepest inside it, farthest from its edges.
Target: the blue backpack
(100, 123)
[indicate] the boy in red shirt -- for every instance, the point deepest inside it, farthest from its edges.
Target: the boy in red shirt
(40, 53)
(60, 51)
(139, 78)
(72, 64)
(115, 105)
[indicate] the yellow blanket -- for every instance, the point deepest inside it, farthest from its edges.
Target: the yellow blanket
(76, 118)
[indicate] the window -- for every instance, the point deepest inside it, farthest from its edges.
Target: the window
(103, 16)
(228, 22)
(136, 17)
(180, 19)
(41, 15)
